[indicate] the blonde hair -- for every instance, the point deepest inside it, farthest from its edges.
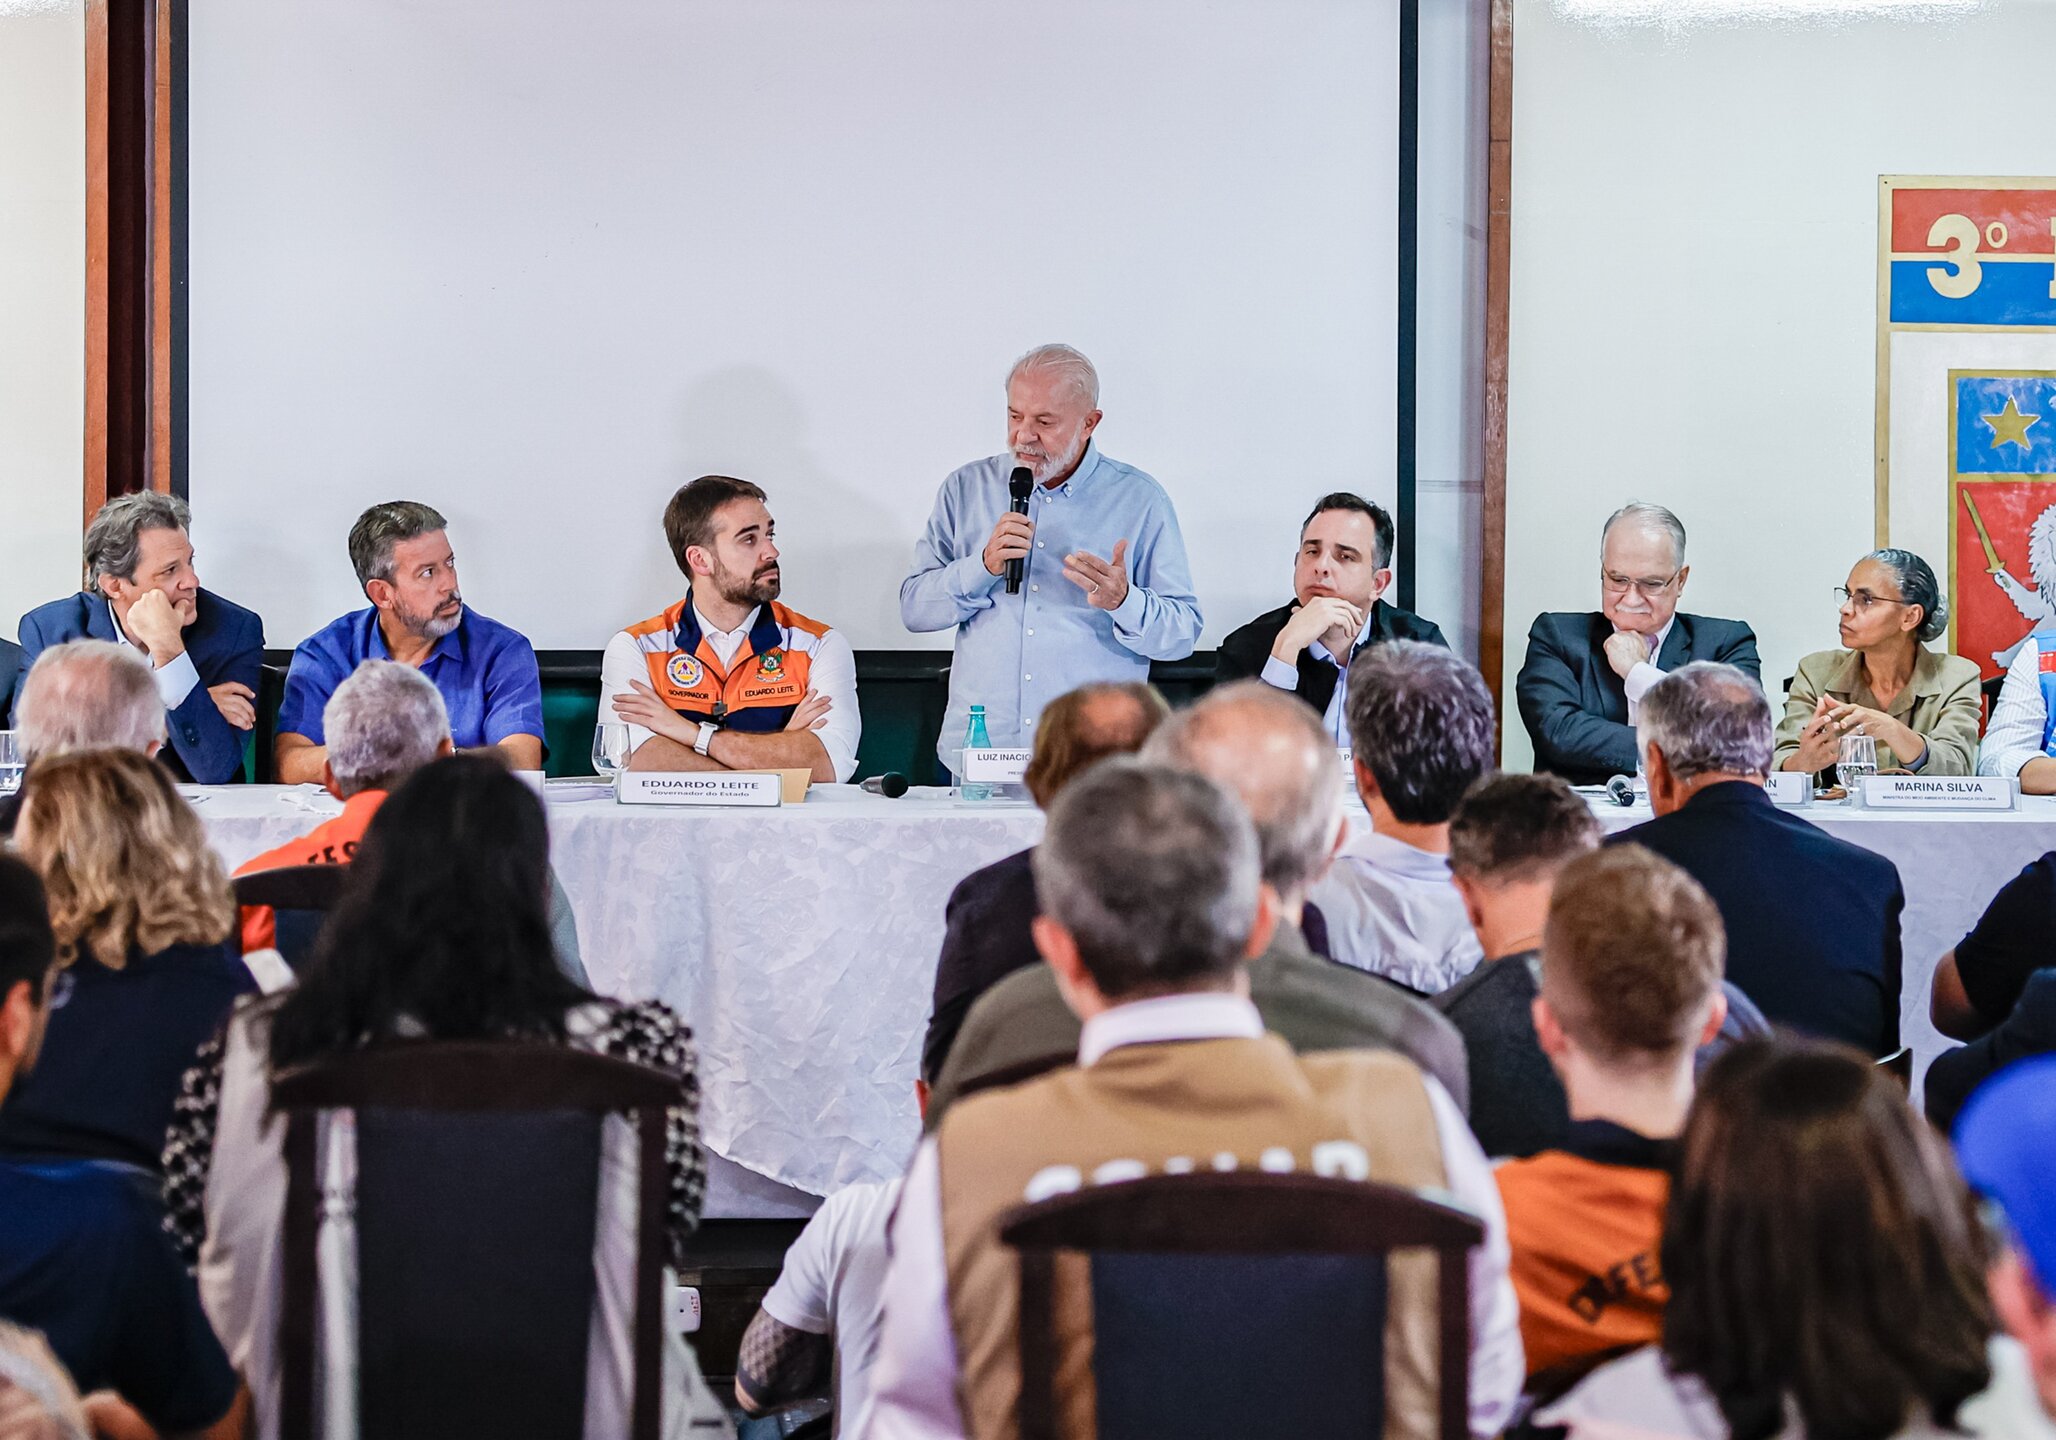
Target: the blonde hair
(123, 858)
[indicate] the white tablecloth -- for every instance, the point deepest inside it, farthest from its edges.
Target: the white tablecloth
(800, 943)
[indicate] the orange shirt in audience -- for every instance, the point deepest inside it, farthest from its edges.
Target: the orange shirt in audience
(332, 842)
(1584, 1224)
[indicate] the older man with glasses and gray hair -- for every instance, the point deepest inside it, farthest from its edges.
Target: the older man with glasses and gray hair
(1153, 900)
(1586, 672)
(142, 591)
(84, 695)
(1267, 749)
(1812, 921)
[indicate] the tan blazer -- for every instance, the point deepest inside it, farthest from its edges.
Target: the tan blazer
(1941, 703)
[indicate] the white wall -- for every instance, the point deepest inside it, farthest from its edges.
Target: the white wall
(538, 264)
(42, 301)
(1694, 285)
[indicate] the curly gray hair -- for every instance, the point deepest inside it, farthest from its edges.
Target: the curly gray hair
(382, 724)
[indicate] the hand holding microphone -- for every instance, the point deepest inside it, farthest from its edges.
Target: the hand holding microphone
(1019, 487)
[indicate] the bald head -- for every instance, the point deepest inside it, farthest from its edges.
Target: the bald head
(89, 695)
(1266, 747)
(1084, 726)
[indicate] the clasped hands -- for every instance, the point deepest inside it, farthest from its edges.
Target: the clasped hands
(1105, 582)
(1820, 739)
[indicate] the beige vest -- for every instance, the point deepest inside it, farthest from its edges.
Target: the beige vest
(1164, 1106)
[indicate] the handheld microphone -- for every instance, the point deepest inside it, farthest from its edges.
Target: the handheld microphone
(1020, 486)
(891, 785)
(1622, 789)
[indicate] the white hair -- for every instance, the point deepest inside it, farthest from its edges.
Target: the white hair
(1651, 518)
(383, 723)
(1707, 718)
(1069, 364)
(89, 695)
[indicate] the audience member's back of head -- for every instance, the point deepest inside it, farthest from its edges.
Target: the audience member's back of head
(443, 924)
(1153, 873)
(27, 946)
(1820, 1250)
(384, 722)
(1707, 718)
(1519, 829)
(123, 859)
(89, 695)
(1421, 721)
(1266, 747)
(1632, 958)
(1084, 726)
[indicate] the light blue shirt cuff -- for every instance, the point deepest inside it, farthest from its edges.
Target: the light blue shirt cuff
(968, 579)
(1127, 616)
(1277, 673)
(176, 680)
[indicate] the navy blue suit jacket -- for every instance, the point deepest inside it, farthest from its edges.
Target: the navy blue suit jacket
(1576, 708)
(226, 643)
(10, 672)
(1812, 921)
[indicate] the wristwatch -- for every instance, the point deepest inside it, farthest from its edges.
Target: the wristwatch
(708, 730)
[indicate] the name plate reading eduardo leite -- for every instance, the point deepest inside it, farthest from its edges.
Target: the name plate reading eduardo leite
(995, 767)
(1789, 787)
(1940, 792)
(657, 787)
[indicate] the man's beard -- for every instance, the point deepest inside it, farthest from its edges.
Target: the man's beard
(760, 589)
(433, 626)
(1053, 465)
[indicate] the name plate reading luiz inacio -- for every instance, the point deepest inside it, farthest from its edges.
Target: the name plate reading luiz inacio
(659, 787)
(1942, 792)
(995, 767)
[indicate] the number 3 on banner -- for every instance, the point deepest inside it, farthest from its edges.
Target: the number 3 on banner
(1962, 254)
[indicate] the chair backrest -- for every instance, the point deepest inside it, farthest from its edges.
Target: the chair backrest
(477, 1191)
(300, 897)
(1237, 1303)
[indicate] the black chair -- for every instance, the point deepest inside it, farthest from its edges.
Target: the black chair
(300, 897)
(1235, 1304)
(478, 1169)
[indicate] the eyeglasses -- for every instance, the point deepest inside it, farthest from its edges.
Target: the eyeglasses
(1863, 599)
(1646, 587)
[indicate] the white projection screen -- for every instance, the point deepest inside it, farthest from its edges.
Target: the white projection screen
(538, 264)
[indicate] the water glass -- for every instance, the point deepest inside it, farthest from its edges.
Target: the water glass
(11, 762)
(1859, 760)
(610, 748)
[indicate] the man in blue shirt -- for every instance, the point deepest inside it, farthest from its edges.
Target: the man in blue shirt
(486, 672)
(1104, 589)
(141, 590)
(83, 1255)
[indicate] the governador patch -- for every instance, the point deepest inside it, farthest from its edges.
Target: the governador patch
(685, 671)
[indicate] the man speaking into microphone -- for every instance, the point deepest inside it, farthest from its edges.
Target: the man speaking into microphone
(1103, 584)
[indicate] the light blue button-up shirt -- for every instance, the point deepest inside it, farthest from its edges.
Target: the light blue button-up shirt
(1016, 653)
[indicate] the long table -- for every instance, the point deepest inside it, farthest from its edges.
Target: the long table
(800, 943)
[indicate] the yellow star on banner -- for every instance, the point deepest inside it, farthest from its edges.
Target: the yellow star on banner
(2010, 425)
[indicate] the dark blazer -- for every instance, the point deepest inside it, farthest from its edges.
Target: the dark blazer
(226, 643)
(985, 938)
(1812, 921)
(2029, 1030)
(1243, 653)
(1022, 1026)
(1575, 707)
(10, 674)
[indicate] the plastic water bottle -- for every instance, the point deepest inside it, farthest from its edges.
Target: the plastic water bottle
(976, 737)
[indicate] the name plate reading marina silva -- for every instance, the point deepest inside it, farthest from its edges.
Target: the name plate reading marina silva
(1789, 787)
(995, 767)
(1941, 792)
(659, 787)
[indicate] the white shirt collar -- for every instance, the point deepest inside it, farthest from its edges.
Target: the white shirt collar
(713, 631)
(1208, 1015)
(1386, 853)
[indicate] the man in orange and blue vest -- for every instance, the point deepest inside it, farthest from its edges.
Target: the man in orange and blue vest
(728, 678)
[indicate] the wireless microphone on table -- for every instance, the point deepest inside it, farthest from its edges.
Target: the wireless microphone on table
(891, 785)
(1021, 486)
